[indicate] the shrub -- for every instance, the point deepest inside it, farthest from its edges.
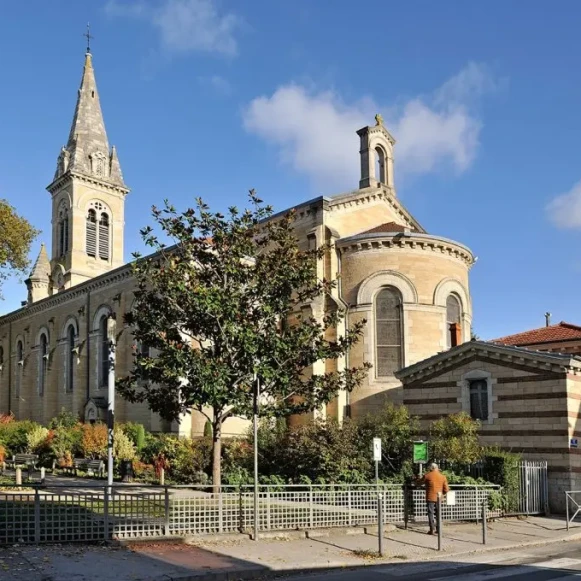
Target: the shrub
(455, 439)
(2, 454)
(503, 468)
(136, 433)
(14, 435)
(123, 447)
(66, 440)
(64, 419)
(36, 438)
(144, 472)
(94, 441)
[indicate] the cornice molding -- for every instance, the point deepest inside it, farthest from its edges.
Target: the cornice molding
(397, 240)
(108, 279)
(68, 176)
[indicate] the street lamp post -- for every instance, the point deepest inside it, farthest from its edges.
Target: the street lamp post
(111, 342)
(255, 429)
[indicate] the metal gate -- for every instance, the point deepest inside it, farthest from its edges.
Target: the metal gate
(534, 488)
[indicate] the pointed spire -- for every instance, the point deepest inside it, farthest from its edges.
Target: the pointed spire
(41, 268)
(87, 150)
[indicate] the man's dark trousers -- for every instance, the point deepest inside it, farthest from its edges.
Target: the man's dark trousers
(433, 516)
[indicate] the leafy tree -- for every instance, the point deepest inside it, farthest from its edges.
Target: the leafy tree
(455, 439)
(225, 304)
(16, 236)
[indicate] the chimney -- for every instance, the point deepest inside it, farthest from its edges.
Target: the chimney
(547, 319)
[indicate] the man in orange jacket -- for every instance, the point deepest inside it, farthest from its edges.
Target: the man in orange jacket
(435, 483)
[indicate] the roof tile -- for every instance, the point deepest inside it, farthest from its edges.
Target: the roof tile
(553, 333)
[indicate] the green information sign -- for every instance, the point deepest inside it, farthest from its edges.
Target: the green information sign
(420, 452)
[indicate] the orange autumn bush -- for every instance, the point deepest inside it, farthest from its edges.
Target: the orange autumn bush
(94, 441)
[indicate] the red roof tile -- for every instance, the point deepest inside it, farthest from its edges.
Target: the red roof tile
(389, 227)
(553, 333)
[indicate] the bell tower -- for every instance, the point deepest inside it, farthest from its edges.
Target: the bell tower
(376, 152)
(88, 195)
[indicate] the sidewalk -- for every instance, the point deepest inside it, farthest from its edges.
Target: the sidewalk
(245, 559)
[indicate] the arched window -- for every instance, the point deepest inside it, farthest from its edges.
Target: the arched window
(70, 359)
(91, 242)
(104, 237)
(380, 164)
(19, 366)
(42, 363)
(453, 321)
(103, 352)
(388, 331)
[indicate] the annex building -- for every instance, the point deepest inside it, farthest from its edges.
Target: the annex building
(411, 286)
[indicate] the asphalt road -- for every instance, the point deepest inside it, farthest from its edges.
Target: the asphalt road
(560, 562)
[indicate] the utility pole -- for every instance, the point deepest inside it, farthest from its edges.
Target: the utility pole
(112, 343)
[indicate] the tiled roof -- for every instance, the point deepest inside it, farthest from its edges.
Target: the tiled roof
(553, 333)
(389, 227)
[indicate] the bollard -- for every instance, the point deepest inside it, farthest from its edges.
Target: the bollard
(161, 477)
(439, 520)
(42, 475)
(484, 530)
(380, 523)
(18, 476)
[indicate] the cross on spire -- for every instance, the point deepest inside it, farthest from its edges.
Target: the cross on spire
(88, 36)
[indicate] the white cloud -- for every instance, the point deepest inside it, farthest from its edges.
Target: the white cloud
(564, 210)
(315, 132)
(186, 25)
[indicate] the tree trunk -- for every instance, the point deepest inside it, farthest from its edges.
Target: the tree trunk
(217, 456)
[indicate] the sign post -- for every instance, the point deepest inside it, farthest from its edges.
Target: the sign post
(377, 457)
(377, 460)
(420, 454)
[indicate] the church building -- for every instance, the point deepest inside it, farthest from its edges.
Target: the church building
(411, 287)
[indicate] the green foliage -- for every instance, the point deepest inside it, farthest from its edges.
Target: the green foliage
(208, 432)
(455, 438)
(502, 468)
(136, 433)
(36, 438)
(66, 440)
(14, 435)
(16, 236)
(123, 447)
(212, 307)
(396, 428)
(64, 419)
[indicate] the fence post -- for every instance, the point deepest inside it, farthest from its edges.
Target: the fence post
(380, 523)
(476, 503)
(406, 515)
(166, 508)
(36, 516)
(311, 506)
(349, 507)
(268, 508)
(439, 521)
(484, 530)
(106, 513)
(567, 508)
(220, 511)
(240, 510)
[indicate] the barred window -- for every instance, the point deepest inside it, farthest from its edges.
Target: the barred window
(388, 331)
(478, 399)
(42, 364)
(70, 359)
(91, 242)
(453, 321)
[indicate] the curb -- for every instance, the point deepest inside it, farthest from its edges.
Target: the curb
(266, 573)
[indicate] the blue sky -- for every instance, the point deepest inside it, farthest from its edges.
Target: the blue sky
(211, 98)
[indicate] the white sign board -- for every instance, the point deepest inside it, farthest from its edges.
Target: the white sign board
(377, 449)
(451, 497)
(574, 443)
